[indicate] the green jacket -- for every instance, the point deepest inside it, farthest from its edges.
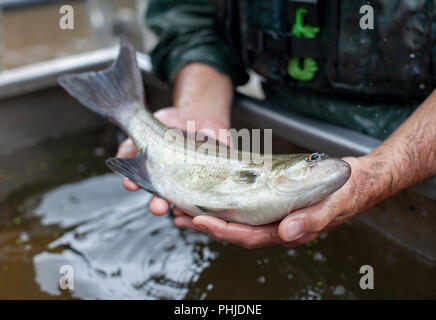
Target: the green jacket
(367, 80)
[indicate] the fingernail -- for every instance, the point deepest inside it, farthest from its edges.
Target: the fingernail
(293, 230)
(202, 229)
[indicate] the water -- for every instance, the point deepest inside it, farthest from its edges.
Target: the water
(60, 206)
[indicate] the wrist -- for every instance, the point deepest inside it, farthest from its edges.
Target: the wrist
(375, 181)
(365, 187)
(202, 92)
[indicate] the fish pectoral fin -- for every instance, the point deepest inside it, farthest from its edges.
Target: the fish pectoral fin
(134, 169)
(227, 214)
(207, 210)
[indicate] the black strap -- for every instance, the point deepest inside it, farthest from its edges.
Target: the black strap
(286, 44)
(312, 6)
(261, 42)
(333, 36)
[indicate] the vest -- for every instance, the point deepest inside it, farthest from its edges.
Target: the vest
(320, 46)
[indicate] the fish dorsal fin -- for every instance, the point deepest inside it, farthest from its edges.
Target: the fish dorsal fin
(134, 169)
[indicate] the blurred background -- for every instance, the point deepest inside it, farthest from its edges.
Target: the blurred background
(30, 33)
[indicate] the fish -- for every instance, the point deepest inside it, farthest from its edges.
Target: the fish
(219, 185)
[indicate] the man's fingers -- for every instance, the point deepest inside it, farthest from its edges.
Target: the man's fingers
(127, 149)
(158, 206)
(185, 222)
(130, 185)
(304, 221)
(178, 212)
(337, 221)
(243, 235)
(171, 117)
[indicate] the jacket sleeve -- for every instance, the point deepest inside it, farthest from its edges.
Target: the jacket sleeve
(187, 32)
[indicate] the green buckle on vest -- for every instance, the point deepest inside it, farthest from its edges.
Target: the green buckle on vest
(310, 67)
(307, 73)
(299, 29)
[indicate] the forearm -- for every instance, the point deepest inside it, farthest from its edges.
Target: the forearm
(406, 158)
(204, 92)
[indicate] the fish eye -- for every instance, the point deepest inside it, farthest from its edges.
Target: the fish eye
(313, 156)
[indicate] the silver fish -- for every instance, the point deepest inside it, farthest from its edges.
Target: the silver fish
(219, 185)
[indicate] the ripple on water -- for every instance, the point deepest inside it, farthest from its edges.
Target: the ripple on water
(117, 249)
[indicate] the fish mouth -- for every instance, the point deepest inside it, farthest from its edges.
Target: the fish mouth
(322, 179)
(333, 173)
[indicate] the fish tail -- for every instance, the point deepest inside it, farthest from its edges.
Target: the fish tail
(116, 93)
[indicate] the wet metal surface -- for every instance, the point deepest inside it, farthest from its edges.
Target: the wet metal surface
(60, 206)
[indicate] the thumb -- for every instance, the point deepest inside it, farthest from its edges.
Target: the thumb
(304, 221)
(315, 218)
